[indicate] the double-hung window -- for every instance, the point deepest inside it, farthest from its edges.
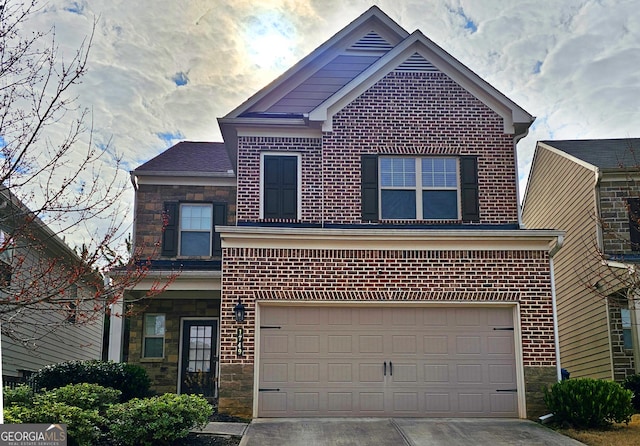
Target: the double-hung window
(154, 331)
(190, 229)
(422, 188)
(196, 227)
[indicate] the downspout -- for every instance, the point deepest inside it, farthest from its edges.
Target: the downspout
(552, 252)
(518, 135)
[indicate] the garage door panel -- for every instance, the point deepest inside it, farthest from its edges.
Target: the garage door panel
(447, 362)
(340, 373)
(307, 344)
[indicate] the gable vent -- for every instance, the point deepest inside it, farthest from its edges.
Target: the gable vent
(372, 42)
(416, 64)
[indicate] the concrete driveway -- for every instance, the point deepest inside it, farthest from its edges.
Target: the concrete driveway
(400, 431)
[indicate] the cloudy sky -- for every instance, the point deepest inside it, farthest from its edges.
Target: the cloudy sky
(162, 71)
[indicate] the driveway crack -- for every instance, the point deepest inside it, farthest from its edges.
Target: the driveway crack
(407, 440)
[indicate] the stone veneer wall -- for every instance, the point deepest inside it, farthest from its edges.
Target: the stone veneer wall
(150, 201)
(615, 214)
(623, 361)
(164, 371)
(536, 380)
(376, 275)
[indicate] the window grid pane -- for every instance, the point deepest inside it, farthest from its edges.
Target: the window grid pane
(439, 173)
(200, 343)
(195, 229)
(154, 331)
(398, 172)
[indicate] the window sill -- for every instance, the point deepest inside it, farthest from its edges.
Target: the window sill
(151, 359)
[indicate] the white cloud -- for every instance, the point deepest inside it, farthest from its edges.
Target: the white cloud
(573, 64)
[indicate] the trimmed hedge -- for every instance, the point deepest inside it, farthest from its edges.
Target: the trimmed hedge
(589, 403)
(158, 420)
(131, 380)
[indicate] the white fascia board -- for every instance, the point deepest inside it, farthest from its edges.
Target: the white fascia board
(270, 132)
(185, 280)
(572, 158)
(459, 73)
(186, 180)
(394, 239)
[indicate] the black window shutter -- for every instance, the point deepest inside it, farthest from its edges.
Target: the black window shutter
(634, 223)
(369, 187)
(281, 187)
(219, 219)
(170, 233)
(469, 188)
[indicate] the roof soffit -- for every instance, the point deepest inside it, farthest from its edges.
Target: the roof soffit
(373, 26)
(434, 59)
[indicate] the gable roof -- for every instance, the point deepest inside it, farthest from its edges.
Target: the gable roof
(306, 96)
(613, 154)
(189, 157)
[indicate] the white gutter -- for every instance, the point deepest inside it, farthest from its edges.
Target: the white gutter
(554, 305)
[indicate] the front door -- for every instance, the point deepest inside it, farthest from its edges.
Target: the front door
(199, 361)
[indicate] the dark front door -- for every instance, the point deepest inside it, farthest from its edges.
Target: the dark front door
(199, 361)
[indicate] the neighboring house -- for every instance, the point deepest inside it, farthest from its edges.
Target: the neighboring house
(374, 244)
(587, 188)
(33, 262)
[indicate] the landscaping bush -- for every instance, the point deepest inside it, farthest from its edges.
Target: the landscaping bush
(633, 383)
(80, 406)
(83, 426)
(157, 420)
(131, 380)
(85, 396)
(21, 395)
(589, 403)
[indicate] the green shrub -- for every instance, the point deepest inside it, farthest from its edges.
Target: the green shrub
(633, 383)
(131, 380)
(21, 395)
(589, 403)
(85, 396)
(158, 420)
(83, 426)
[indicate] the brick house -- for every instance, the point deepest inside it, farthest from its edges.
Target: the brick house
(374, 243)
(589, 188)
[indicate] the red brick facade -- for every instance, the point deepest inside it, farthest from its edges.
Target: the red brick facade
(412, 114)
(383, 276)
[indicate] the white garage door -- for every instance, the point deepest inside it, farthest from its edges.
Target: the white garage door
(387, 361)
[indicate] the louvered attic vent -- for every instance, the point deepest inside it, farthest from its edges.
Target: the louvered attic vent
(372, 42)
(416, 64)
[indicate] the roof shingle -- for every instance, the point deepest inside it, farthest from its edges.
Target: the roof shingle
(190, 156)
(603, 153)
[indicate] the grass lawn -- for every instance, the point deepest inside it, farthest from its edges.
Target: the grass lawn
(618, 435)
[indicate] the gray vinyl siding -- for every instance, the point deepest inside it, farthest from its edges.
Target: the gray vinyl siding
(561, 195)
(54, 339)
(322, 84)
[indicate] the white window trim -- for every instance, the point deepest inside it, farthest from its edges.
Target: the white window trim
(145, 336)
(180, 230)
(419, 188)
(299, 178)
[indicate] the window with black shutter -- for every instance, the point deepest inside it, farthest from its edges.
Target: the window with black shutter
(419, 188)
(280, 187)
(189, 229)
